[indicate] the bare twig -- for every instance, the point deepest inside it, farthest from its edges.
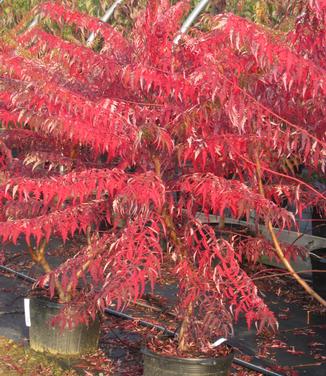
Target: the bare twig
(288, 273)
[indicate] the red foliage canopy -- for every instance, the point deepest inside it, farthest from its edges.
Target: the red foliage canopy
(145, 133)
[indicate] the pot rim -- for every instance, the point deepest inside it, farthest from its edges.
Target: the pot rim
(208, 360)
(50, 301)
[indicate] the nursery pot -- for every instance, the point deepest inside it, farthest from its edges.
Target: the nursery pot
(44, 337)
(318, 262)
(161, 365)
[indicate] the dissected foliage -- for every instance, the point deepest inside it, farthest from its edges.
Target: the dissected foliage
(143, 134)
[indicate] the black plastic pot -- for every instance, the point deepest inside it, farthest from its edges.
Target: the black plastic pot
(52, 339)
(160, 365)
(318, 262)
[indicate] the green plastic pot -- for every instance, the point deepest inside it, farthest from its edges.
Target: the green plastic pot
(44, 337)
(161, 365)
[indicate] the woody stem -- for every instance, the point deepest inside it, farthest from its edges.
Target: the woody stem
(175, 240)
(38, 256)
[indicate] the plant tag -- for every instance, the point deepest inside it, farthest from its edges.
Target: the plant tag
(27, 312)
(218, 342)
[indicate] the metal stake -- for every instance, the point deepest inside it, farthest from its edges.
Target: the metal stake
(190, 19)
(105, 18)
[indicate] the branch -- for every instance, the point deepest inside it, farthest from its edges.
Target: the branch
(215, 193)
(81, 185)
(298, 181)
(38, 256)
(62, 222)
(279, 250)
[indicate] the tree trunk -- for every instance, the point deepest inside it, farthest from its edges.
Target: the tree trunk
(183, 345)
